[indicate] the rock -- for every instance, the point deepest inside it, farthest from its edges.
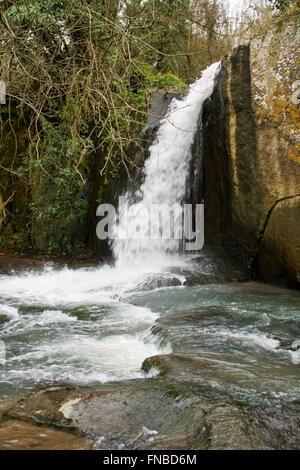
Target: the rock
(214, 265)
(10, 262)
(158, 106)
(5, 406)
(234, 427)
(223, 417)
(8, 313)
(140, 414)
(3, 319)
(252, 163)
(41, 405)
(182, 408)
(16, 435)
(229, 425)
(132, 415)
(280, 245)
(296, 345)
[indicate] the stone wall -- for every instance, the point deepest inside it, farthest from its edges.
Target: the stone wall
(252, 157)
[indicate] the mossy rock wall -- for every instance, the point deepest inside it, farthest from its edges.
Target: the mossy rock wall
(252, 156)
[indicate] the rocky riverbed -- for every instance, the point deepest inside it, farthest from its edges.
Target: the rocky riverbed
(225, 374)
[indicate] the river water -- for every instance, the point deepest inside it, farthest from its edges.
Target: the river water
(90, 325)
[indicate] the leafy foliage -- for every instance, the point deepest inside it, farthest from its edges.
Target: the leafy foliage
(80, 73)
(281, 5)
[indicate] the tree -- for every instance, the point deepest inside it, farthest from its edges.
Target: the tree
(78, 71)
(281, 5)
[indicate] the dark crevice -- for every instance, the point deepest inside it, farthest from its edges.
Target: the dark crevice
(254, 260)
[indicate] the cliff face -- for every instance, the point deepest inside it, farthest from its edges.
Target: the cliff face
(252, 157)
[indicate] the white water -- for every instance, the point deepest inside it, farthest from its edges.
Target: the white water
(166, 175)
(74, 325)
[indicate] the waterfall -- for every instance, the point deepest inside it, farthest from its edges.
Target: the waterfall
(164, 182)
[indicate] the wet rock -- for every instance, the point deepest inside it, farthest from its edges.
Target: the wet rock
(16, 435)
(289, 345)
(133, 414)
(222, 419)
(5, 406)
(214, 265)
(158, 283)
(170, 363)
(158, 108)
(172, 411)
(230, 425)
(42, 406)
(183, 329)
(3, 319)
(7, 313)
(296, 345)
(235, 427)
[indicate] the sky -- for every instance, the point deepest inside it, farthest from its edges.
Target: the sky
(235, 4)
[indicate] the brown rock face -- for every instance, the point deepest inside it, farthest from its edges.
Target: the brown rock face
(252, 157)
(15, 435)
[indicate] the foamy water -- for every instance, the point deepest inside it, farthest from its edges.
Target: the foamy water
(72, 326)
(166, 175)
(92, 325)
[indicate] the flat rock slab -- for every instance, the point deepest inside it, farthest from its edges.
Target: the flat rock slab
(137, 414)
(17, 435)
(159, 413)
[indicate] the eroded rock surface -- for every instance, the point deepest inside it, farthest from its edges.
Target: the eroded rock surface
(252, 156)
(16, 435)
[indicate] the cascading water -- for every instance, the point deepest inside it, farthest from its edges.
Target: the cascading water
(166, 175)
(91, 325)
(77, 325)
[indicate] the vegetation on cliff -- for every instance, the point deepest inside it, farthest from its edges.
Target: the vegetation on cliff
(78, 75)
